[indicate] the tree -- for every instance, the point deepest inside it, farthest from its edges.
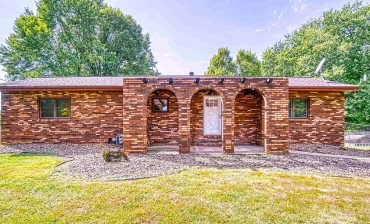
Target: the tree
(247, 63)
(358, 106)
(340, 36)
(221, 63)
(76, 38)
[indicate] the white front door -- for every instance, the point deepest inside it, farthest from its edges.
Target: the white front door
(212, 115)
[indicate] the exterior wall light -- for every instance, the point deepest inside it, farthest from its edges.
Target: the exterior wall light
(221, 80)
(170, 80)
(196, 80)
(269, 80)
(145, 80)
(243, 80)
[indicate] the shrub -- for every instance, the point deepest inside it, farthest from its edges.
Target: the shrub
(110, 156)
(106, 155)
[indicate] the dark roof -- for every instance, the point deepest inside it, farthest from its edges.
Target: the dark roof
(315, 82)
(116, 82)
(66, 81)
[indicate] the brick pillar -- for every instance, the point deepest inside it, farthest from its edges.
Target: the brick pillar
(277, 123)
(228, 125)
(134, 116)
(184, 126)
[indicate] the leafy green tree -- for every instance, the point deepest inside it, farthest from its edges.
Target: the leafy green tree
(358, 105)
(340, 36)
(76, 38)
(247, 63)
(222, 64)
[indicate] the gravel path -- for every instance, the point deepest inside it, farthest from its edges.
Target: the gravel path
(329, 149)
(86, 162)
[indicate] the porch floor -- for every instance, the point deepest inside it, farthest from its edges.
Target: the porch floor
(174, 149)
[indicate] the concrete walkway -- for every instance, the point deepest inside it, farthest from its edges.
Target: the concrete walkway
(174, 149)
(366, 159)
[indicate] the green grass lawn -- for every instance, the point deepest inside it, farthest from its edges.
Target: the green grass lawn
(29, 195)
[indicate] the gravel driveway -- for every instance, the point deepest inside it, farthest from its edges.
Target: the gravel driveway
(85, 161)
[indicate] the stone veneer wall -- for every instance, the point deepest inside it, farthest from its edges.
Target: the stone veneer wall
(95, 117)
(248, 118)
(325, 124)
(135, 96)
(163, 127)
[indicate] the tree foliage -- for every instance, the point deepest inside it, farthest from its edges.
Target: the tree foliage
(342, 37)
(76, 38)
(222, 63)
(246, 63)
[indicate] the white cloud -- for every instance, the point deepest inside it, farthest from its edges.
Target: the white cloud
(290, 28)
(281, 14)
(275, 12)
(258, 30)
(166, 55)
(203, 62)
(298, 6)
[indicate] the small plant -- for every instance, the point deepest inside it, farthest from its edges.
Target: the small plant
(114, 156)
(106, 155)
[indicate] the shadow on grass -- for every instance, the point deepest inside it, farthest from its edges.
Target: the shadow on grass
(22, 154)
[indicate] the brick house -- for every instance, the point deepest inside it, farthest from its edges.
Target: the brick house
(181, 111)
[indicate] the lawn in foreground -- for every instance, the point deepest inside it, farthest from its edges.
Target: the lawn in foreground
(29, 195)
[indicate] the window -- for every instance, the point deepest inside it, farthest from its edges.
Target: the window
(298, 108)
(55, 108)
(160, 105)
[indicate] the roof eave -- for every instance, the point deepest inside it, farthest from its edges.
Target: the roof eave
(59, 88)
(324, 88)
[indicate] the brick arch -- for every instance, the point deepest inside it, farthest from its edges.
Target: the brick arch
(162, 127)
(217, 90)
(259, 90)
(250, 117)
(196, 119)
(155, 88)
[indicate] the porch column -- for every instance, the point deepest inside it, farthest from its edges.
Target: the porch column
(228, 126)
(277, 123)
(134, 116)
(184, 125)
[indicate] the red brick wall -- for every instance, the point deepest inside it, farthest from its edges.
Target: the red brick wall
(325, 124)
(163, 126)
(248, 118)
(95, 117)
(135, 96)
(196, 123)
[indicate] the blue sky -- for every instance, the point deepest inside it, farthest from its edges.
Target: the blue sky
(186, 34)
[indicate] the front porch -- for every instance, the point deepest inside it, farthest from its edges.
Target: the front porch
(174, 149)
(205, 115)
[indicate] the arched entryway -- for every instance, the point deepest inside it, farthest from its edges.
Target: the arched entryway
(206, 121)
(249, 121)
(162, 121)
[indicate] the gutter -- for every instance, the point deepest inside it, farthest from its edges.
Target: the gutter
(120, 88)
(60, 88)
(324, 88)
